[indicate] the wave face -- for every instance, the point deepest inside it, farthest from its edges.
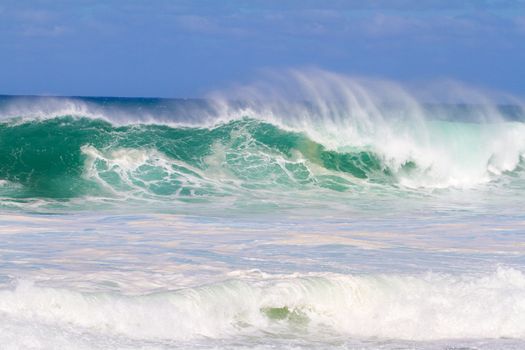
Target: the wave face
(333, 137)
(406, 307)
(66, 157)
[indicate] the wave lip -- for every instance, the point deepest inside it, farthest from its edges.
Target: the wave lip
(408, 307)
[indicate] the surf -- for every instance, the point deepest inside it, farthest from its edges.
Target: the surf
(302, 132)
(421, 307)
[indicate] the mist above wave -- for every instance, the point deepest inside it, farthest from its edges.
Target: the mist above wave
(458, 136)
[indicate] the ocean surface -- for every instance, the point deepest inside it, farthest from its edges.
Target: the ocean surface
(350, 222)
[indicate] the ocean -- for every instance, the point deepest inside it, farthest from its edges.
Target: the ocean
(324, 220)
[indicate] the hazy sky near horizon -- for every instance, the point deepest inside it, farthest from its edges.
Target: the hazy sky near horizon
(186, 48)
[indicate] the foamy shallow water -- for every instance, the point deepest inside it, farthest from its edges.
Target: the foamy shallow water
(165, 281)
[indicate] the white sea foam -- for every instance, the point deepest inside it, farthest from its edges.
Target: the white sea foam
(128, 171)
(408, 307)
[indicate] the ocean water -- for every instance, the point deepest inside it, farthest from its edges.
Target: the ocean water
(343, 215)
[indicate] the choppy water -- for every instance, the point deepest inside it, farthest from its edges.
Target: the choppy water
(336, 219)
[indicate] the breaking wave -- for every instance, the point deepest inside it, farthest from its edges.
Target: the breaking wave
(314, 132)
(411, 307)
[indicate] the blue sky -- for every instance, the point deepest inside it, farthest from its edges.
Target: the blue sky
(186, 48)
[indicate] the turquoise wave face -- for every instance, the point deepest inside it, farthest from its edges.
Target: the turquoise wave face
(246, 161)
(67, 157)
(81, 152)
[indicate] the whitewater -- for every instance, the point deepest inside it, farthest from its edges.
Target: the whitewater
(307, 209)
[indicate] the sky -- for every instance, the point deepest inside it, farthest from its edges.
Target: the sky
(186, 48)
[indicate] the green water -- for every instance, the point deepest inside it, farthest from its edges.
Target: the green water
(45, 158)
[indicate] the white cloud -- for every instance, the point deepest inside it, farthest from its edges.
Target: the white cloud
(42, 31)
(520, 24)
(205, 25)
